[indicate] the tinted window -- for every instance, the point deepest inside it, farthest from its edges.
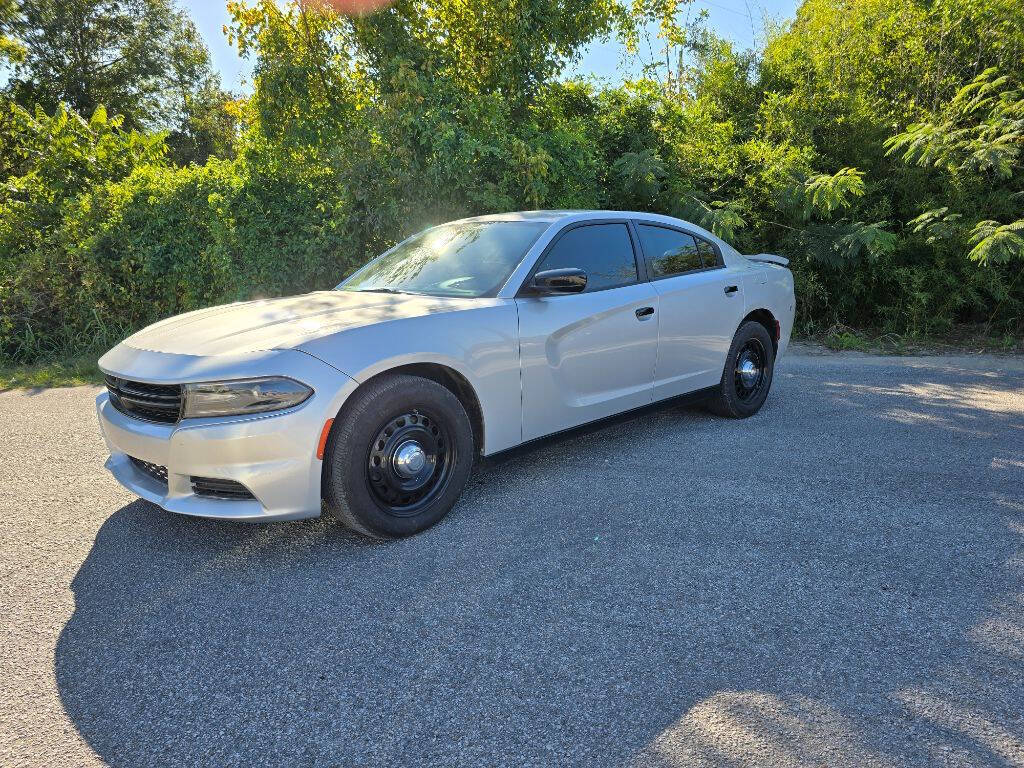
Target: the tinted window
(668, 252)
(709, 256)
(603, 251)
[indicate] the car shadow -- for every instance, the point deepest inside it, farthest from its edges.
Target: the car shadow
(831, 582)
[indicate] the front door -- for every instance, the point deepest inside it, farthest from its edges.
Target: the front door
(588, 355)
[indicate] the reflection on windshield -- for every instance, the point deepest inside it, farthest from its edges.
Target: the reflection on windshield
(469, 259)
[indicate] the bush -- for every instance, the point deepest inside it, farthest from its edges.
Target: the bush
(51, 164)
(889, 171)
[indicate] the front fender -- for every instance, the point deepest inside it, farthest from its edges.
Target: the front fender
(480, 344)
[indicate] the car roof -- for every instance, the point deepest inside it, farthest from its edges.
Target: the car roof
(570, 215)
(552, 215)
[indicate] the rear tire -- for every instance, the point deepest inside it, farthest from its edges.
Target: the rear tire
(398, 456)
(749, 368)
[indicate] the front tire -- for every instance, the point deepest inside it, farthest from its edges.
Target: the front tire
(749, 368)
(397, 457)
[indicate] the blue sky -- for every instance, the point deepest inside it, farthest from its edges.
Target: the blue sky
(738, 20)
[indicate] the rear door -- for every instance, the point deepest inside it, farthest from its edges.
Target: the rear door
(588, 355)
(701, 304)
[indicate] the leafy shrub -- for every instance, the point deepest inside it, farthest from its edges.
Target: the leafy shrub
(51, 162)
(887, 169)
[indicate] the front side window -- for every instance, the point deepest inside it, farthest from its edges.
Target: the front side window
(468, 259)
(668, 252)
(603, 251)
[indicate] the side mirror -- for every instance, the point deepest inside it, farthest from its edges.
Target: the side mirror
(557, 281)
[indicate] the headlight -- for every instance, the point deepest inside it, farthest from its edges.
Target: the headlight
(232, 398)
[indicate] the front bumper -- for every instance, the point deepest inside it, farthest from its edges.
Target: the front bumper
(273, 455)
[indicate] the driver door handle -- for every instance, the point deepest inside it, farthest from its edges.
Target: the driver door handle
(730, 289)
(644, 312)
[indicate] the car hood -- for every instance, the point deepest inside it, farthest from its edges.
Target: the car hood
(283, 323)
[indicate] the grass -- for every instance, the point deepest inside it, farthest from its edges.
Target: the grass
(61, 373)
(963, 339)
(845, 340)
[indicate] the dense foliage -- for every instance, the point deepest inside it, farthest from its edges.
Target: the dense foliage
(877, 143)
(140, 59)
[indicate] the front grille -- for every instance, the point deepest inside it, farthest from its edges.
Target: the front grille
(212, 488)
(155, 471)
(150, 402)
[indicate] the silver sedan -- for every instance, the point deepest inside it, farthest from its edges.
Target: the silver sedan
(372, 400)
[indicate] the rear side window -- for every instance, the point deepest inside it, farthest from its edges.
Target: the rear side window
(668, 252)
(603, 251)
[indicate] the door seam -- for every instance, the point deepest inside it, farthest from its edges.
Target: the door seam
(522, 386)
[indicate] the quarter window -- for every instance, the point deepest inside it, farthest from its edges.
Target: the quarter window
(708, 254)
(603, 251)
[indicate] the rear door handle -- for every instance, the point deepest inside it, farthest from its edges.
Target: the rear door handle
(730, 289)
(644, 312)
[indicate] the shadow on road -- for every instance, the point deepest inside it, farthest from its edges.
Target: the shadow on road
(832, 582)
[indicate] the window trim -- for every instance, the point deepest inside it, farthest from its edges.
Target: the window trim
(682, 231)
(639, 261)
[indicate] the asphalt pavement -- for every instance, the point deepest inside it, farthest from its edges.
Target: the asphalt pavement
(838, 580)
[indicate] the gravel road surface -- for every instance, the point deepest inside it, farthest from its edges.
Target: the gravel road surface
(836, 581)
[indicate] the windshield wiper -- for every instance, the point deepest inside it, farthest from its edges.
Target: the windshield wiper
(382, 289)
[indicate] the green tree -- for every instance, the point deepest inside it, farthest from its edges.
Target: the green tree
(11, 50)
(142, 59)
(876, 143)
(508, 47)
(975, 145)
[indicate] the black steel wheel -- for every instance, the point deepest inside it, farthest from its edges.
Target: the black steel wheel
(398, 456)
(751, 362)
(409, 463)
(747, 377)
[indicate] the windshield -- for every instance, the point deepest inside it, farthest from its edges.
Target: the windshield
(470, 259)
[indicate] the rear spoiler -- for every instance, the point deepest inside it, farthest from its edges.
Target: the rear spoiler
(770, 258)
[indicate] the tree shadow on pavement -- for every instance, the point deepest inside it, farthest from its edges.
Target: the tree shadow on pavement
(822, 584)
